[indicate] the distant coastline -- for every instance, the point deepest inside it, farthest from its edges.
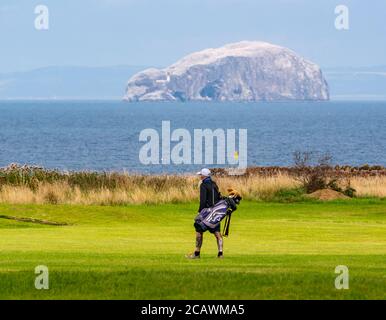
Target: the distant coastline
(108, 83)
(339, 98)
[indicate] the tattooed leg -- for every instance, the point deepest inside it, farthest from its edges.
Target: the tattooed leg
(219, 242)
(199, 239)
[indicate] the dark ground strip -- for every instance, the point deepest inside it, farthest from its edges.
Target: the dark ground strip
(31, 220)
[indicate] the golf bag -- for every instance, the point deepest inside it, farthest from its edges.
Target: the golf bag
(210, 218)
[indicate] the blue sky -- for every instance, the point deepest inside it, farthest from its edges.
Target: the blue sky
(158, 32)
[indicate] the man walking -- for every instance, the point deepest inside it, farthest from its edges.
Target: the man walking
(209, 196)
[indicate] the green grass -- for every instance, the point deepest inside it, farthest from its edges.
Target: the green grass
(275, 251)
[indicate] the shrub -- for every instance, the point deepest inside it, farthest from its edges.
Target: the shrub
(350, 192)
(321, 175)
(364, 167)
(333, 185)
(314, 177)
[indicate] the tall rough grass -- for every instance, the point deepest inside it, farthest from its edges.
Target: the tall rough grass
(140, 190)
(38, 186)
(370, 186)
(35, 185)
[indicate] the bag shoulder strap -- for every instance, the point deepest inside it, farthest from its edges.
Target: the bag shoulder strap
(214, 187)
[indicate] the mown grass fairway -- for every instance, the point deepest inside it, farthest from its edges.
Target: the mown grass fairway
(275, 251)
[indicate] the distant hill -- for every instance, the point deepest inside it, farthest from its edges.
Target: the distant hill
(67, 83)
(366, 83)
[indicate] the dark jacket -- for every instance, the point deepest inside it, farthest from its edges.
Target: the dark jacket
(209, 194)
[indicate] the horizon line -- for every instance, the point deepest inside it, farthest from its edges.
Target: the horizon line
(158, 67)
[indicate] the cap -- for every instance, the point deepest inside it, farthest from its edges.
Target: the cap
(204, 172)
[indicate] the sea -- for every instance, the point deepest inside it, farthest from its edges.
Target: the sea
(104, 135)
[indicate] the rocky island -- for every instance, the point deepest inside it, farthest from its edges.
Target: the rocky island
(243, 71)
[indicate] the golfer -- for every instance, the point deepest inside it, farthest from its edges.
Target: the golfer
(209, 196)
